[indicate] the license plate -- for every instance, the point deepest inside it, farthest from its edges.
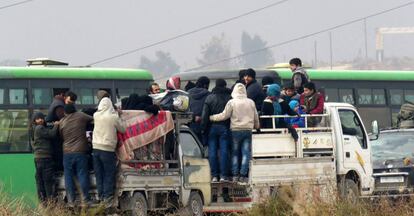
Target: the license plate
(392, 179)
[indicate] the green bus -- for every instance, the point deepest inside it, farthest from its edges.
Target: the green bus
(377, 94)
(24, 90)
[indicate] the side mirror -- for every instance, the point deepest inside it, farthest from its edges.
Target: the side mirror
(375, 130)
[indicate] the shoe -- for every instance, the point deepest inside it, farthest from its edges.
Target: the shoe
(224, 179)
(214, 180)
(244, 180)
(235, 179)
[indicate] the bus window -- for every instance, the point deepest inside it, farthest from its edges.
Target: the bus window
(346, 96)
(85, 96)
(364, 96)
(14, 133)
(396, 96)
(42, 96)
(331, 95)
(123, 92)
(394, 116)
(409, 96)
(18, 96)
(1, 96)
(378, 96)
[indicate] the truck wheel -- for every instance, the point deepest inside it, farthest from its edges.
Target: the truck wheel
(139, 205)
(195, 204)
(350, 191)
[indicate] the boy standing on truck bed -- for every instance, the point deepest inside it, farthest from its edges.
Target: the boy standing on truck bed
(42, 148)
(243, 118)
(72, 129)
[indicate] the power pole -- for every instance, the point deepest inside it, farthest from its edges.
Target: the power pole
(366, 39)
(316, 54)
(330, 47)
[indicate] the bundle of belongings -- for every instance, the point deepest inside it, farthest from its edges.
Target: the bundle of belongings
(144, 138)
(406, 116)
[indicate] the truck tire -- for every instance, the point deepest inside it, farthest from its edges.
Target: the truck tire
(195, 205)
(139, 204)
(349, 191)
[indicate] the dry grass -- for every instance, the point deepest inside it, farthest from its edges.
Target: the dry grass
(17, 207)
(285, 204)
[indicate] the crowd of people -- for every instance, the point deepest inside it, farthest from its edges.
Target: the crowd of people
(223, 120)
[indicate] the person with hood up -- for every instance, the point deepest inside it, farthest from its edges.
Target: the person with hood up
(218, 133)
(254, 90)
(198, 95)
(107, 124)
(297, 122)
(274, 105)
(243, 118)
(299, 75)
(43, 152)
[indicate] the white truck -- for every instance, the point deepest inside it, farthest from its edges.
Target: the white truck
(335, 156)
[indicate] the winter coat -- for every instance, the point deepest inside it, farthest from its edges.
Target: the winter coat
(255, 92)
(51, 114)
(107, 124)
(214, 104)
(42, 143)
(313, 104)
(268, 109)
(241, 111)
(300, 78)
(197, 98)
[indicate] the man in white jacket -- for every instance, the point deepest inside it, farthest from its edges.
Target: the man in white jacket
(104, 142)
(243, 119)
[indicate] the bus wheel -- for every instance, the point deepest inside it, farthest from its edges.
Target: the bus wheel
(139, 205)
(349, 191)
(195, 204)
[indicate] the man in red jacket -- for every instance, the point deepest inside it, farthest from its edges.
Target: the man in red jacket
(312, 102)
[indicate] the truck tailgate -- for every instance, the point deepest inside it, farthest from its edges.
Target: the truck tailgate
(312, 177)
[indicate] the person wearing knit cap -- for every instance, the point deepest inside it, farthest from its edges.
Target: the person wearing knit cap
(254, 89)
(43, 157)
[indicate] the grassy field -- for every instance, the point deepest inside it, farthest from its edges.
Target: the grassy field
(283, 205)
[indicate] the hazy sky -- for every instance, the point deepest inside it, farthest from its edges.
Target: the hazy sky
(81, 32)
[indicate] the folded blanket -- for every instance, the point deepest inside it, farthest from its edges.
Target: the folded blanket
(142, 129)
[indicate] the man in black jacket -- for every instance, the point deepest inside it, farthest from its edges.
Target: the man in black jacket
(198, 95)
(218, 132)
(254, 89)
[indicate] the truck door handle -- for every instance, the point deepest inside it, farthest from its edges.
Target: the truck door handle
(347, 154)
(346, 139)
(187, 164)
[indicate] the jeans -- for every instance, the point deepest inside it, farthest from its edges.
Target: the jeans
(104, 163)
(45, 172)
(219, 138)
(196, 128)
(76, 164)
(242, 141)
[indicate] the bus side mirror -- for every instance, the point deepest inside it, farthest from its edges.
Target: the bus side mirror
(375, 131)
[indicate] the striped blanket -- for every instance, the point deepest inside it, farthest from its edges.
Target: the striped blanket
(142, 129)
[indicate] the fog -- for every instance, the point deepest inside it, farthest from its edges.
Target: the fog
(82, 32)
